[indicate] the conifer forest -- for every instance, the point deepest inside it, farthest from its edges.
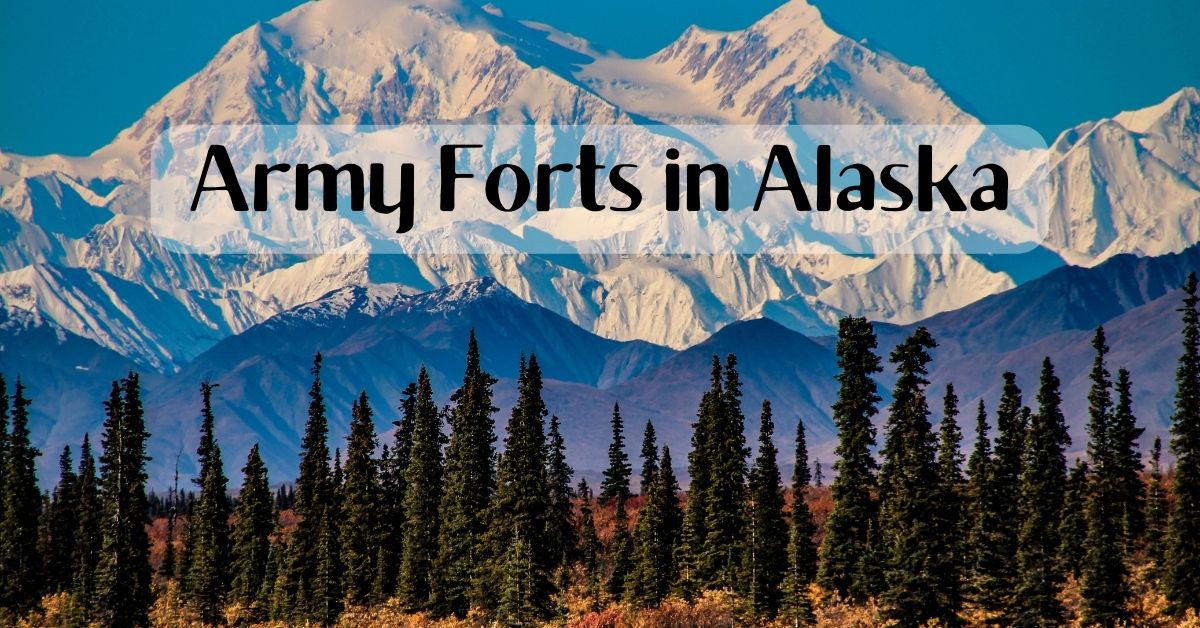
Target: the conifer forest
(447, 522)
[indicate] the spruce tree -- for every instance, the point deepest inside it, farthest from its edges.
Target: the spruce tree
(520, 511)
(422, 499)
(589, 544)
(326, 604)
(846, 542)
(519, 604)
(560, 534)
(1181, 563)
(691, 572)
(393, 465)
(254, 521)
(655, 537)
(1105, 588)
(908, 488)
(276, 551)
(951, 566)
(58, 556)
(360, 498)
(1043, 486)
(85, 554)
(470, 483)
(649, 457)
(170, 564)
(3, 438)
(1156, 509)
(123, 572)
(616, 476)
(996, 566)
(620, 552)
(313, 504)
(1072, 529)
(208, 525)
(20, 562)
(801, 551)
(1127, 461)
(726, 516)
(766, 556)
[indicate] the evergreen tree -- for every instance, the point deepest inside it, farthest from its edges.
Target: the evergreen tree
(326, 604)
(276, 550)
(59, 554)
(655, 537)
(87, 540)
(1105, 587)
(360, 498)
(649, 457)
(208, 524)
(909, 491)
(1181, 563)
(691, 573)
(589, 544)
(1127, 461)
(766, 558)
(422, 499)
(123, 572)
(1156, 509)
(952, 564)
(801, 551)
(253, 558)
(846, 542)
(520, 511)
(1043, 485)
(304, 581)
(726, 518)
(170, 566)
(818, 474)
(20, 563)
(393, 466)
(620, 552)
(1072, 529)
(470, 483)
(616, 476)
(283, 590)
(560, 535)
(996, 564)
(519, 593)
(3, 439)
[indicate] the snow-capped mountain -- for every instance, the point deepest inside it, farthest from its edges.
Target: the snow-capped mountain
(1129, 184)
(76, 250)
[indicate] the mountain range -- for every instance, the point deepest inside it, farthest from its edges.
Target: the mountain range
(89, 291)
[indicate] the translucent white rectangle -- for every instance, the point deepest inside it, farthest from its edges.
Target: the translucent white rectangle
(600, 190)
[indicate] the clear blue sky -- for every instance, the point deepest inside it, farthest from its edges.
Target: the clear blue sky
(75, 73)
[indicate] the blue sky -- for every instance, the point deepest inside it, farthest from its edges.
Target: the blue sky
(75, 73)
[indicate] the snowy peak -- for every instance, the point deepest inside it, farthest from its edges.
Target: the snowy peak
(377, 62)
(1128, 184)
(787, 68)
(380, 300)
(1179, 111)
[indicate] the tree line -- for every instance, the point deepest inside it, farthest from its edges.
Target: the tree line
(443, 522)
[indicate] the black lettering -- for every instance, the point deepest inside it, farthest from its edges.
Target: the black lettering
(893, 185)
(492, 187)
(329, 190)
(925, 183)
(450, 175)
(622, 185)
(998, 188)
(865, 189)
(781, 155)
(237, 198)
